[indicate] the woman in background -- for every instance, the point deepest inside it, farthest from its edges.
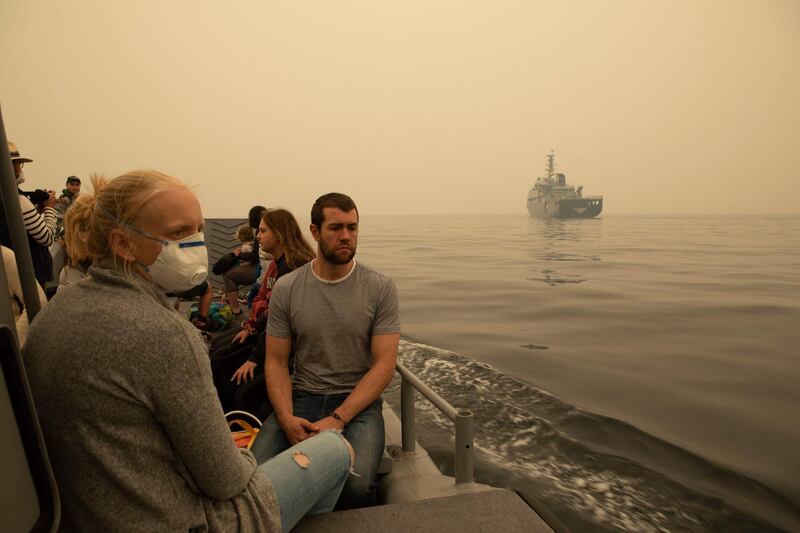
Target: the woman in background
(279, 235)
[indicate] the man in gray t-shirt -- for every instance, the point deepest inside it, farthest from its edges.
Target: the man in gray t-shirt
(341, 322)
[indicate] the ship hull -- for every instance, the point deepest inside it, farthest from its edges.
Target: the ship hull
(573, 208)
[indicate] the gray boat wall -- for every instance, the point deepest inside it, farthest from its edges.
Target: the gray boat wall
(220, 239)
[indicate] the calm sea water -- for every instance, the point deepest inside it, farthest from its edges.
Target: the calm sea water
(628, 372)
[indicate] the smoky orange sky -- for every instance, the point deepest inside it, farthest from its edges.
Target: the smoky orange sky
(684, 107)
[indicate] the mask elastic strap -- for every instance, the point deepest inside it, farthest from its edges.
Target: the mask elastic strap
(145, 234)
(128, 225)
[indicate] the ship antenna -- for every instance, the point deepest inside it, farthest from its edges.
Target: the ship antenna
(551, 165)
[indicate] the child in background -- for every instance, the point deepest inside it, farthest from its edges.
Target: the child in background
(245, 235)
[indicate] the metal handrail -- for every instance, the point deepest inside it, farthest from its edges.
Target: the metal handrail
(463, 419)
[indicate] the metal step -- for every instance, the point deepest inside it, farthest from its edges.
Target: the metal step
(492, 511)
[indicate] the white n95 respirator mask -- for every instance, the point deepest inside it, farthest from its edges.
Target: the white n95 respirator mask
(182, 264)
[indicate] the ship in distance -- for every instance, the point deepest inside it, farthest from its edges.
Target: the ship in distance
(551, 197)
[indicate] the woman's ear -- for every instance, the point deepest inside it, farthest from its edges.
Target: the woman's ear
(121, 245)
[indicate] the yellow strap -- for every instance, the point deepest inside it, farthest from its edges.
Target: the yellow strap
(246, 428)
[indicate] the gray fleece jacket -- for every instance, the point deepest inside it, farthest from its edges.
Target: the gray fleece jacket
(133, 426)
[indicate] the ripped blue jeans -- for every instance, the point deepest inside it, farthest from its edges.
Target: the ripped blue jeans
(365, 433)
(308, 477)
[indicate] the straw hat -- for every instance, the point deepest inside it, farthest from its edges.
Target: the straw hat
(12, 148)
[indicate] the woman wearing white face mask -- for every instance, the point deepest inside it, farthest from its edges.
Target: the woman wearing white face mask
(123, 384)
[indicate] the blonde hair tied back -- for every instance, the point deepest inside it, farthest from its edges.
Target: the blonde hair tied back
(111, 204)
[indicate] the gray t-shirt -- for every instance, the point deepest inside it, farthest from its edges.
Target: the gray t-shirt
(331, 324)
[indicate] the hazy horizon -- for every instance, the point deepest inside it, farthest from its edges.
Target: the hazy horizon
(416, 108)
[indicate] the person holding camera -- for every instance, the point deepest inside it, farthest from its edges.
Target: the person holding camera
(39, 215)
(58, 250)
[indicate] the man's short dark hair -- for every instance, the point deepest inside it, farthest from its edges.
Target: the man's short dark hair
(73, 179)
(332, 199)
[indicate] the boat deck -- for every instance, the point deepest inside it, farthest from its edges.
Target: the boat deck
(413, 493)
(495, 510)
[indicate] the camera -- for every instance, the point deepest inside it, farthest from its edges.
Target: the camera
(36, 197)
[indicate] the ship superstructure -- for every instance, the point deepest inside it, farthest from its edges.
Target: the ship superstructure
(551, 197)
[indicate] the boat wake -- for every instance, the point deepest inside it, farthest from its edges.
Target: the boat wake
(591, 471)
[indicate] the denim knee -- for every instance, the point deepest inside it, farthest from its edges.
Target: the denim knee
(332, 439)
(308, 477)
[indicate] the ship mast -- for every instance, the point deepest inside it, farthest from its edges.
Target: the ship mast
(551, 166)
